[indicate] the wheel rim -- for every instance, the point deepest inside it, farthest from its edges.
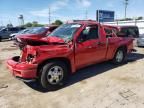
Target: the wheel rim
(55, 75)
(119, 56)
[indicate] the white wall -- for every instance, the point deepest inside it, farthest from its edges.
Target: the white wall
(139, 23)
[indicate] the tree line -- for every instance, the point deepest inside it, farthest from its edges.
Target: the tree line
(36, 24)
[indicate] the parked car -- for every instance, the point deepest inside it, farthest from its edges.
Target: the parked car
(5, 32)
(1, 27)
(70, 47)
(140, 41)
(128, 31)
(12, 36)
(34, 33)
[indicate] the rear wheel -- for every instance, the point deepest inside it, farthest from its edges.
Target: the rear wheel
(53, 75)
(0, 39)
(119, 56)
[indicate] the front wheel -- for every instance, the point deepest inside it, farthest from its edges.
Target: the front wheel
(119, 56)
(53, 75)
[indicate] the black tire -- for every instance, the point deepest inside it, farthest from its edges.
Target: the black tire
(119, 60)
(45, 78)
(0, 39)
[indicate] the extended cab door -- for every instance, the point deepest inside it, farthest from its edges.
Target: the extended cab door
(89, 48)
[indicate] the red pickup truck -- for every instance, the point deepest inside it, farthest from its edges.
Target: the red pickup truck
(68, 48)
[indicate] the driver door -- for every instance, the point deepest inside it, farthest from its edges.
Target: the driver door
(88, 49)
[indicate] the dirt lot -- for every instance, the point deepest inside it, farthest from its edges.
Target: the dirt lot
(99, 86)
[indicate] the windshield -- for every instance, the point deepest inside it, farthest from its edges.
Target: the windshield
(36, 30)
(65, 31)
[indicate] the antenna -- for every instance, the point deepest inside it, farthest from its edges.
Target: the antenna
(126, 4)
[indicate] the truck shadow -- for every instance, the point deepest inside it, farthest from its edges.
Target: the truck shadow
(90, 71)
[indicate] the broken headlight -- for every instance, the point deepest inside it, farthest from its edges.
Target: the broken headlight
(30, 58)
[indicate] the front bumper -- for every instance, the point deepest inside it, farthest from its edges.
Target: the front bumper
(22, 70)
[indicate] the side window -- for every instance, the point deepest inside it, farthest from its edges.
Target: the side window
(124, 32)
(133, 31)
(108, 31)
(90, 32)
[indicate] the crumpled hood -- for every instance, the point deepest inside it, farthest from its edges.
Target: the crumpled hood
(53, 39)
(35, 41)
(29, 36)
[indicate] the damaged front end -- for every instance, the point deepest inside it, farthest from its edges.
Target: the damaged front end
(24, 67)
(22, 42)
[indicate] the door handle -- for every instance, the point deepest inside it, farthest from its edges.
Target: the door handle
(88, 47)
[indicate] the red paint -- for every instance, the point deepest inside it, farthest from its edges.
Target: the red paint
(78, 54)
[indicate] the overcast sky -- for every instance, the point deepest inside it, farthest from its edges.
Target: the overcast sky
(37, 10)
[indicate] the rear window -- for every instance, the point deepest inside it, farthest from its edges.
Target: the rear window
(129, 31)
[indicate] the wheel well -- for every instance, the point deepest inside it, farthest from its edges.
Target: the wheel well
(65, 60)
(124, 47)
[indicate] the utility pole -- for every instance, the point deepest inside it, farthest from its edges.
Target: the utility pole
(126, 4)
(49, 13)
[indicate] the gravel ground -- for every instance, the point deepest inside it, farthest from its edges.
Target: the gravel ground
(99, 86)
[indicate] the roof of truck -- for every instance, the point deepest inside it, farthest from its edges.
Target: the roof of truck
(126, 26)
(84, 22)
